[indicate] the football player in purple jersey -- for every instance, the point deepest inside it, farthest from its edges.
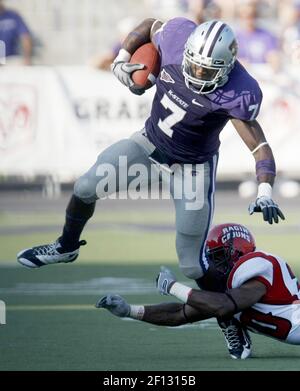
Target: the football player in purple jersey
(201, 86)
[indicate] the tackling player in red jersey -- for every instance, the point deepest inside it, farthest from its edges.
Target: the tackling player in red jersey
(260, 292)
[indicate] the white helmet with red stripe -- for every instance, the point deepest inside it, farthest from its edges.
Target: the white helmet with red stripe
(209, 56)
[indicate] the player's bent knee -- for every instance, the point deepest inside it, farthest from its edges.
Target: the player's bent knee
(85, 190)
(188, 249)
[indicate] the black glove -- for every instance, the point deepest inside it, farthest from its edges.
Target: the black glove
(269, 209)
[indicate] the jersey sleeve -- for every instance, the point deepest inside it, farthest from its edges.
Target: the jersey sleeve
(248, 269)
(171, 38)
(249, 104)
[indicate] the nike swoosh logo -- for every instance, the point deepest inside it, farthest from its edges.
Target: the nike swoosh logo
(197, 103)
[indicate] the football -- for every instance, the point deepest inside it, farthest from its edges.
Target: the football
(149, 56)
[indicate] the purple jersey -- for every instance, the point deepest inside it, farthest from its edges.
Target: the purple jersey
(185, 125)
(12, 27)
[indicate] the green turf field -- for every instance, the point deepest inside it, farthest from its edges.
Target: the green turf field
(51, 320)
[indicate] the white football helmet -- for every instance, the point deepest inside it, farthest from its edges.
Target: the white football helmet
(209, 56)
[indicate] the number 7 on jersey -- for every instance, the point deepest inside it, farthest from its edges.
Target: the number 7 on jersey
(177, 115)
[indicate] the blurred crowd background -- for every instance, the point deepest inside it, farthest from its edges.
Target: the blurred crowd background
(65, 100)
(90, 31)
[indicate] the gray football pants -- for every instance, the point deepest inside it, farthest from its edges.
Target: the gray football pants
(192, 189)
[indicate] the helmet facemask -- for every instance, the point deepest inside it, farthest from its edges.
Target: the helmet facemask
(209, 56)
(226, 244)
(202, 78)
(224, 257)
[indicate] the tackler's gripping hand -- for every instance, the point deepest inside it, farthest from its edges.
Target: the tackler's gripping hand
(268, 208)
(165, 280)
(114, 304)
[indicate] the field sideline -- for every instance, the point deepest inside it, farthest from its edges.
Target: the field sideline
(51, 320)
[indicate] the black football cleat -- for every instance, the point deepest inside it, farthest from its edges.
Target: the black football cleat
(237, 338)
(48, 254)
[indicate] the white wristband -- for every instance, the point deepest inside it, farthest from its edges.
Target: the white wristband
(123, 56)
(137, 312)
(180, 291)
(264, 190)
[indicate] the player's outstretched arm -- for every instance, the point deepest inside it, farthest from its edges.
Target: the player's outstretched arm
(165, 314)
(197, 305)
(121, 67)
(204, 304)
(253, 136)
(219, 305)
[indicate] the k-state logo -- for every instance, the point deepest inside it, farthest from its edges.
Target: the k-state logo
(164, 76)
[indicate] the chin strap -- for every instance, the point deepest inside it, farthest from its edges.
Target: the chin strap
(224, 81)
(214, 86)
